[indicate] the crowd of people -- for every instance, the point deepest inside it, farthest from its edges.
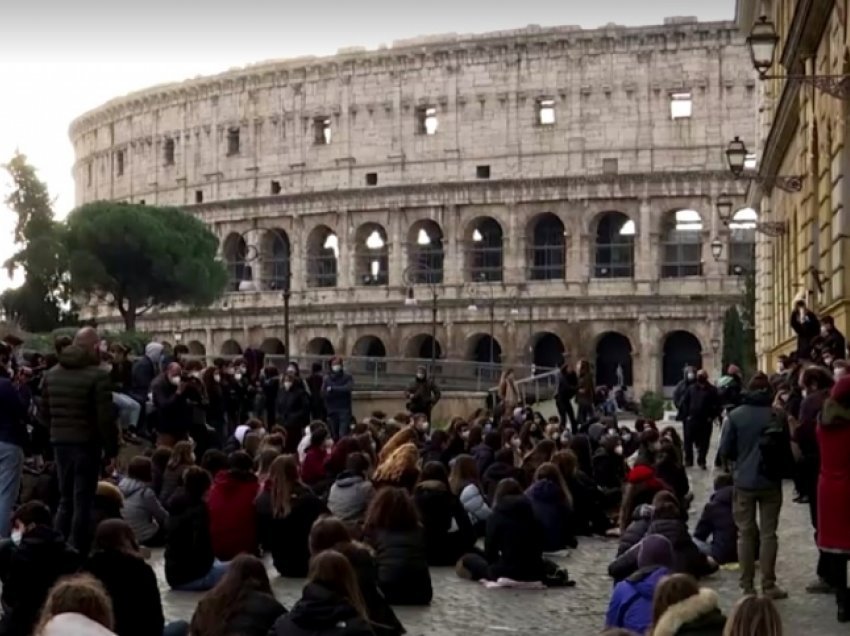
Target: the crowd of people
(247, 462)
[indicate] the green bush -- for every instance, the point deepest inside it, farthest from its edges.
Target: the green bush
(652, 406)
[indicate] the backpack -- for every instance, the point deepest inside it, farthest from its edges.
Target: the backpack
(776, 461)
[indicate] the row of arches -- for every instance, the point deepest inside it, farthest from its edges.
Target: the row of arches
(483, 243)
(613, 352)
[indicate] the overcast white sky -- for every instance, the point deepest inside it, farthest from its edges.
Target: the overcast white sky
(60, 58)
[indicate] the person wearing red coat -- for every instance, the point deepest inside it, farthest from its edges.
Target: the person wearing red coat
(233, 525)
(833, 534)
(313, 468)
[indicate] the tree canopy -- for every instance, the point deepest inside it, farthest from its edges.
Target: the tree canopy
(140, 257)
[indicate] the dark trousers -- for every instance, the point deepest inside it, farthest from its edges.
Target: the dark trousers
(585, 414)
(697, 433)
(339, 423)
(77, 469)
(565, 412)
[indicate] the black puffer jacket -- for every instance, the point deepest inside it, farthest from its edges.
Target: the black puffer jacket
(609, 470)
(287, 538)
(718, 523)
(77, 402)
(636, 531)
(588, 505)
(381, 615)
(402, 560)
(513, 543)
(188, 548)
(293, 406)
(321, 612)
(448, 531)
(496, 473)
(253, 614)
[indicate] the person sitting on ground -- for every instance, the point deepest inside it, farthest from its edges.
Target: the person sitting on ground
(448, 531)
(648, 447)
(285, 511)
(329, 533)
(242, 603)
(680, 607)
(485, 452)
(159, 462)
(392, 528)
(642, 484)
(503, 467)
(465, 485)
(718, 523)
(237, 441)
(142, 510)
(331, 603)
(77, 606)
(670, 470)
(433, 449)
(214, 461)
(352, 491)
(317, 453)
(131, 583)
(399, 470)
(190, 563)
(589, 516)
(336, 461)
(754, 615)
(108, 502)
(264, 464)
(636, 530)
(609, 470)
(539, 455)
(631, 602)
(230, 502)
(552, 506)
(182, 456)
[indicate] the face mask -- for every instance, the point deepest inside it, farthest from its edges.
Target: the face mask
(420, 376)
(423, 426)
(287, 385)
(691, 376)
(195, 374)
(17, 535)
(237, 376)
(291, 370)
(828, 361)
(780, 368)
(329, 443)
(515, 442)
(464, 435)
(336, 368)
(217, 377)
(174, 379)
(618, 450)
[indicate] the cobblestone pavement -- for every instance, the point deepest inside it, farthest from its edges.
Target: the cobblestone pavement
(461, 606)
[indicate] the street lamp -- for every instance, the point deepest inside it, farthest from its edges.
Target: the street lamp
(736, 156)
(286, 293)
(724, 208)
(724, 212)
(417, 274)
(717, 249)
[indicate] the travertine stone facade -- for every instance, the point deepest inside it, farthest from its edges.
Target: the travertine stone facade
(539, 168)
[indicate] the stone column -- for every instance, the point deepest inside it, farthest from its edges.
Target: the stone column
(646, 252)
(397, 249)
(513, 257)
(454, 248)
(346, 265)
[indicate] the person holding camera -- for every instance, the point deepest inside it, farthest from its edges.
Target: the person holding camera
(172, 410)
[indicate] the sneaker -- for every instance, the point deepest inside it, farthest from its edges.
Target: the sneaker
(819, 587)
(774, 593)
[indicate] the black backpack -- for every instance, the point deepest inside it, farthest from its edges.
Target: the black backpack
(776, 461)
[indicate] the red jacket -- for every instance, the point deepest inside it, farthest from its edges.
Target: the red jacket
(233, 524)
(313, 468)
(834, 482)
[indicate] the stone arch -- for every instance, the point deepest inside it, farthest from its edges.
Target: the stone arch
(322, 257)
(426, 252)
(742, 242)
(275, 259)
(484, 250)
(320, 347)
(231, 348)
(369, 347)
(273, 347)
(613, 359)
(613, 245)
(681, 244)
(236, 256)
(547, 350)
(420, 345)
(196, 348)
(681, 349)
(546, 249)
(371, 255)
(484, 349)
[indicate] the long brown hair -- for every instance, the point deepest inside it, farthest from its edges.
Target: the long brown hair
(283, 482)
(407, 435)
(671, 590)
(754, 615)
(550, 472)
(115, 535)
(333, 571)
(327, 533)
(391, 509)
(464, 471)
(245, 574)
(80, 594)
(182, 455)
(404, 458)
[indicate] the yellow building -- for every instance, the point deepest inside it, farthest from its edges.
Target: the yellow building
(803, 110)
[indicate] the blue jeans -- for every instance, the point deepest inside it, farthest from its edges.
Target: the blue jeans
(128, 411)
(11, 467)
(339, 423)
(177, 628)
(78, 469)
(206, 582)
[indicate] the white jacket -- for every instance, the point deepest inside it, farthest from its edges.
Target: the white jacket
(71, 624)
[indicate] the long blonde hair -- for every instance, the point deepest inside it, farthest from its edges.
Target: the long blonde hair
(754, 615)
(80, 594)
(407, 435)
(283, 480)
(403, 458)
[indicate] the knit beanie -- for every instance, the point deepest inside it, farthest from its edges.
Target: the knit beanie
(655, 550)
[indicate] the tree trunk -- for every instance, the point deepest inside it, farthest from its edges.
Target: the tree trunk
(129, 316)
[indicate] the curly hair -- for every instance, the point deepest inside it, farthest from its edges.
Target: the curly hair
(405, 436)
(403, 458)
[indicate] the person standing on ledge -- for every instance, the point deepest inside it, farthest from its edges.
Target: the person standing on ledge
(336, 391)
(423, 394)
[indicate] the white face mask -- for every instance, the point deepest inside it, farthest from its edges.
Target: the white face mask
(691, 376)
(780, 368)
(287, 385)
(336, 368)
(420, 376)
(464, 435)
(618, 450)
(174, 379)
(423, 426)
(195, 374)
(515, 442)
(291, 370)
(237, 376)
(217, 377)
(329, 443)
(17, 535)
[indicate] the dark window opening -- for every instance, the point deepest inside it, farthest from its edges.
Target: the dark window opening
(482, 172)
(168, 152)
(88, 173)
(322, 131)
(275, 187)
(232, 141)
(141, 201)
(199, 196)
(610, 166)
(119, 162)
(371, 178)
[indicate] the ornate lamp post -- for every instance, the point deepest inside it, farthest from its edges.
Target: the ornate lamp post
(736, 156)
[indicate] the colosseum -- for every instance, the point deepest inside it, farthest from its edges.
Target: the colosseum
(541, 192)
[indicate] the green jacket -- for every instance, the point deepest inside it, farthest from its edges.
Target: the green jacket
(77, 402)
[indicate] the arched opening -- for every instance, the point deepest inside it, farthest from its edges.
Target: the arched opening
(322, 257)
(484, 349)
(369, 347)
(682, 245)
(546, 249)
(681, 349)
(421, 347)
(614, 360)
(320, 347)
(484, 251)
(235, 251)
(742, 242)
(275, 259)
(425, 252)
(273, 347)
(231, 348)
(548, 351)
(196, 348)
(614, 246)
(371, 255)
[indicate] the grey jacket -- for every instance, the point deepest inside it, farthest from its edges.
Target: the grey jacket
(142, 510)
(350, 496)
(740, 442)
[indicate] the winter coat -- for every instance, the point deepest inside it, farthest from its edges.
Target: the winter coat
(718, 523)
(287, 538)
(484, 457)
(588, 505)
(402, 561)
(675, 477)
(630, 606)
(131, 584)
(835, 344)
(336, 390)
(423, 395)
(834, 480)
(253, 614)
(698, 615)
(807, 329)
(554, 514)
(313, 466)
(142, 510)
(636, 530)
(76, 402)
(513, 544)
(567, 388)
(293, 407)
(448, 530)
(230, 503)
(349, 496)
(701, 403)
(609, 470)
(143, 373)
(172, 411)
(381, 615)
(188, 548)
(642, 484)
(586, 389)
(686, 556)
(321, 612)
(171, 479)
(28, 571)
(73, 624)
(496, 473)
(474, 502)
(13, 427)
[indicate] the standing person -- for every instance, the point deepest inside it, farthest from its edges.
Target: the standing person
(834, 344)
(121, 376)
(757, 441)
(314, 382)
(689, 377)
(700, 407)
(423, 394)
(508, 393)
(13, 438)
(806, 325)
(293, 409)
(567, 391)
(77, 408)
(173, 413)
(336, 391)
(270, 382)
(586, 394)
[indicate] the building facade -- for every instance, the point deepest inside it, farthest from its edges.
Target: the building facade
(802, 132)
(554, 188)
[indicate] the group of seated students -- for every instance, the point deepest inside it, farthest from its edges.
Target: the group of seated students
(365, 516)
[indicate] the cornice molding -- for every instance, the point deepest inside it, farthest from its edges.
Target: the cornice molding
(805, 32)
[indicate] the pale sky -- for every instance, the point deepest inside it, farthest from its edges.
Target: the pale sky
(60, 58)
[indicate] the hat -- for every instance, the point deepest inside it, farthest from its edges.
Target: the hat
(655, 550)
